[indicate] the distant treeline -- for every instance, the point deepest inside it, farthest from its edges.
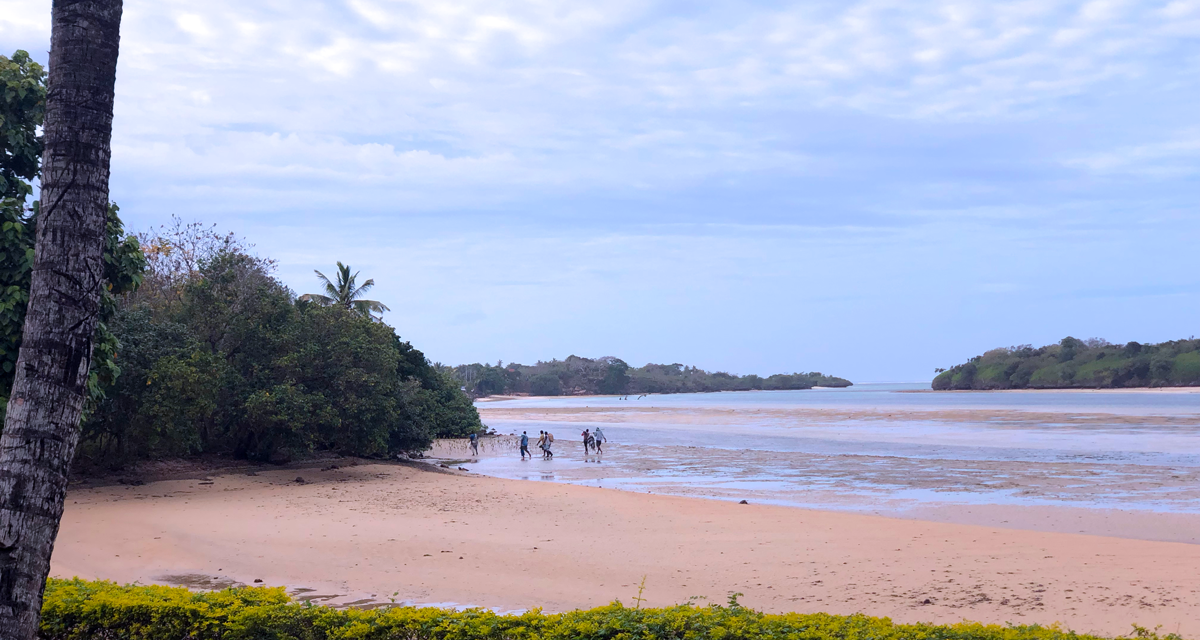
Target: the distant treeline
(612, 376)
(1073, 363)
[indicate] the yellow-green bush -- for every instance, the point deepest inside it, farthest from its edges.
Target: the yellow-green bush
(81, 610)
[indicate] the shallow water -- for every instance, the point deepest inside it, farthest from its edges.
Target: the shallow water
(878, 448)
(900, 396)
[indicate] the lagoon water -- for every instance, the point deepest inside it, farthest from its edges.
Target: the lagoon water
(901, 396)
(894, 449)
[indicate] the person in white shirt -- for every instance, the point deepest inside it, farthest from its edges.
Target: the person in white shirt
(598, 439)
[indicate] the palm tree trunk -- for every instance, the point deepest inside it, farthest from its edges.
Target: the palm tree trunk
(41, 429)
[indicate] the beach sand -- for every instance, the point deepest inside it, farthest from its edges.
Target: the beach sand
(359, 534)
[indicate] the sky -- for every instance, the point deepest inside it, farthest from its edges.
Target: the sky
(869, 189)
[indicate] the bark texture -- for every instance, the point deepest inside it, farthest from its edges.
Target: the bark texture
(41, 429)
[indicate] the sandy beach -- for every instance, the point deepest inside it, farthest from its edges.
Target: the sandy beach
(371, 533)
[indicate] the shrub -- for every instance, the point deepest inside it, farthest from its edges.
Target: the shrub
(79, 610)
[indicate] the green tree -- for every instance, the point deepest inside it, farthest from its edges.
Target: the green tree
(545, 384)
(1069, 347)
(345, 293)
(223, 360)
(22, 108)
(128, 422)
(616, 378)
(446, 410)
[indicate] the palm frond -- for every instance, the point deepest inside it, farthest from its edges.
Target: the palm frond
(330, 290)
(362, 291)
(317, 298)
(322, 278)
(344, 293)
(369, 307)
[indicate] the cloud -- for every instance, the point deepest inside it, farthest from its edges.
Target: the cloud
(384, 102)
(551, 173)
(1176, 157)
(25, 24)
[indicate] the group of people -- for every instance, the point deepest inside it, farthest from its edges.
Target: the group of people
(544, 441)
(591, 440)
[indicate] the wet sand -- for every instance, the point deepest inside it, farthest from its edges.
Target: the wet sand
(363, 533)
(1060, 469)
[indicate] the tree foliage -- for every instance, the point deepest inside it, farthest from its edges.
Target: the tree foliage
(612, 376)
(1072, 363)
(22, 109)
(220, 357)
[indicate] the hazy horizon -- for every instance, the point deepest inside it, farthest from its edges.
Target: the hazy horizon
(868, 190)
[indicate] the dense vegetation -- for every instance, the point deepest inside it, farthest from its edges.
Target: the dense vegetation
(1073, 363)
(78, 610)
(611, 376)
(218, 356)
(201, 350)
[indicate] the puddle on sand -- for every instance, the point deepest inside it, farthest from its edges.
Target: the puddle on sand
(201, 581)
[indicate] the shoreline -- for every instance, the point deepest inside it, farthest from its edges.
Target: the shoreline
(360, 533)
(1063, 389)
(503, 398)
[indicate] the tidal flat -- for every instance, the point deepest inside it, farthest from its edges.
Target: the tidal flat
(1124, 464)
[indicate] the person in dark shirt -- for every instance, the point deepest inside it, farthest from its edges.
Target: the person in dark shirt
(525, 446)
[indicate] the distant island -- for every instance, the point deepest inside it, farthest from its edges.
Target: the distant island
(612, 376)
(1082, 364)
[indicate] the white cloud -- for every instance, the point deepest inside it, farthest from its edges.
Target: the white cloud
(24, 20)
(1172, 158)
(194, 24)
(471, 103)
(554, 93)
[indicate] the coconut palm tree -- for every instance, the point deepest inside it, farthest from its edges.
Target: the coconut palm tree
(41, 427)
(345, 294)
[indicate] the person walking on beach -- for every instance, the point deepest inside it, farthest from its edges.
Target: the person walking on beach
(587, 441)
(549, 455)
(475, 445)
(541, 442)
(525, 446)
(598, 439)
